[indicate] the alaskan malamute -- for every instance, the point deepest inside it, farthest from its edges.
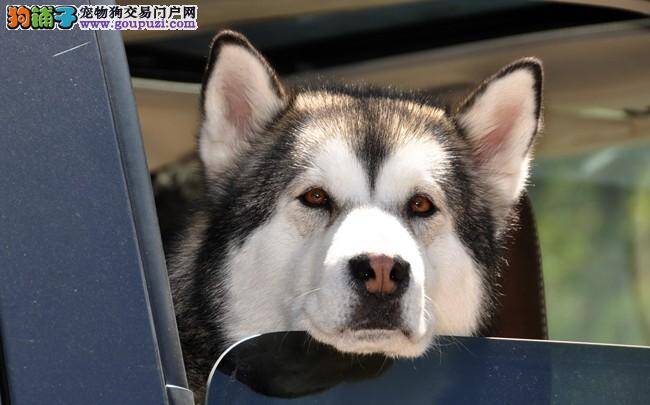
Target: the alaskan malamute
(370, 218)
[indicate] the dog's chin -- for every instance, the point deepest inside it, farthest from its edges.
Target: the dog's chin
(390, 342)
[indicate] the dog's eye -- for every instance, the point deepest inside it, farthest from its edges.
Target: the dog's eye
(315, 198)
(421, 206)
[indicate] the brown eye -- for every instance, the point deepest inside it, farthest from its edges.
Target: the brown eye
(421, 206)
(315, 198)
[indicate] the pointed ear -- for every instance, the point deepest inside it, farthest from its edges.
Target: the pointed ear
(241, 93)
(500, 120)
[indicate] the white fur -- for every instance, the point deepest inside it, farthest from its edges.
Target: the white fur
(454, 286)
(410, 169)
(289, 277)
(240, 85)
(260, 277)
(335, 168)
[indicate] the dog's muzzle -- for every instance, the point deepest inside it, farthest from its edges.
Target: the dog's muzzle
(379, 282)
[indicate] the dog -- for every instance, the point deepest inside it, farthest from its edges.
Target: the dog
(371, 218)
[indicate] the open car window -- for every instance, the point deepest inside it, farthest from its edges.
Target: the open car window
(589, 187)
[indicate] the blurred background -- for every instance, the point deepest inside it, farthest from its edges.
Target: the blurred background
(591, 180)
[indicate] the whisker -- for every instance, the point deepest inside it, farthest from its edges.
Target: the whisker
(454, 340)
(305, 293)
(427, 314)
(458, 342)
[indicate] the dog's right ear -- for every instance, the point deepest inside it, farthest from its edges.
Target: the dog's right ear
(241, 93)
(500, 121)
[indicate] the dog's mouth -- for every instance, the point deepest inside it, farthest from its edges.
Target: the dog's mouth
(373, 329)
(381, 315)
(376, 335)
(359, 338)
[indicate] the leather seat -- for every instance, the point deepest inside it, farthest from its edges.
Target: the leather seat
(521, 307)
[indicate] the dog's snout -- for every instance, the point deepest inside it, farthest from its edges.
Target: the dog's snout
(379, 273)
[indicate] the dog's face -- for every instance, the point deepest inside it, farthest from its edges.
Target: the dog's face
(370, 219)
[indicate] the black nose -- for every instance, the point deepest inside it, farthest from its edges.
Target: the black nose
(380, 274)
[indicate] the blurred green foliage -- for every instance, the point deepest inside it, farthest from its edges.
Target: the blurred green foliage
(593, 215)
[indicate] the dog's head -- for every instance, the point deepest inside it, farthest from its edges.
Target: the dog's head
(370, 218)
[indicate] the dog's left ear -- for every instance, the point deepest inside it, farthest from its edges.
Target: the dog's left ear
(500, 120)
(241, 94)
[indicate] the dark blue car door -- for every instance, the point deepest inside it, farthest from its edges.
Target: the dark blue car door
(85, 311)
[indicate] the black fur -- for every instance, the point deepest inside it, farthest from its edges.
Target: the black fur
(234, 210)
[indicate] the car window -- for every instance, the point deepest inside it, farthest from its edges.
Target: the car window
(278, 368)
(590, 185)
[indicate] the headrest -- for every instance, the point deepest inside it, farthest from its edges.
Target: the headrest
(521, 308)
